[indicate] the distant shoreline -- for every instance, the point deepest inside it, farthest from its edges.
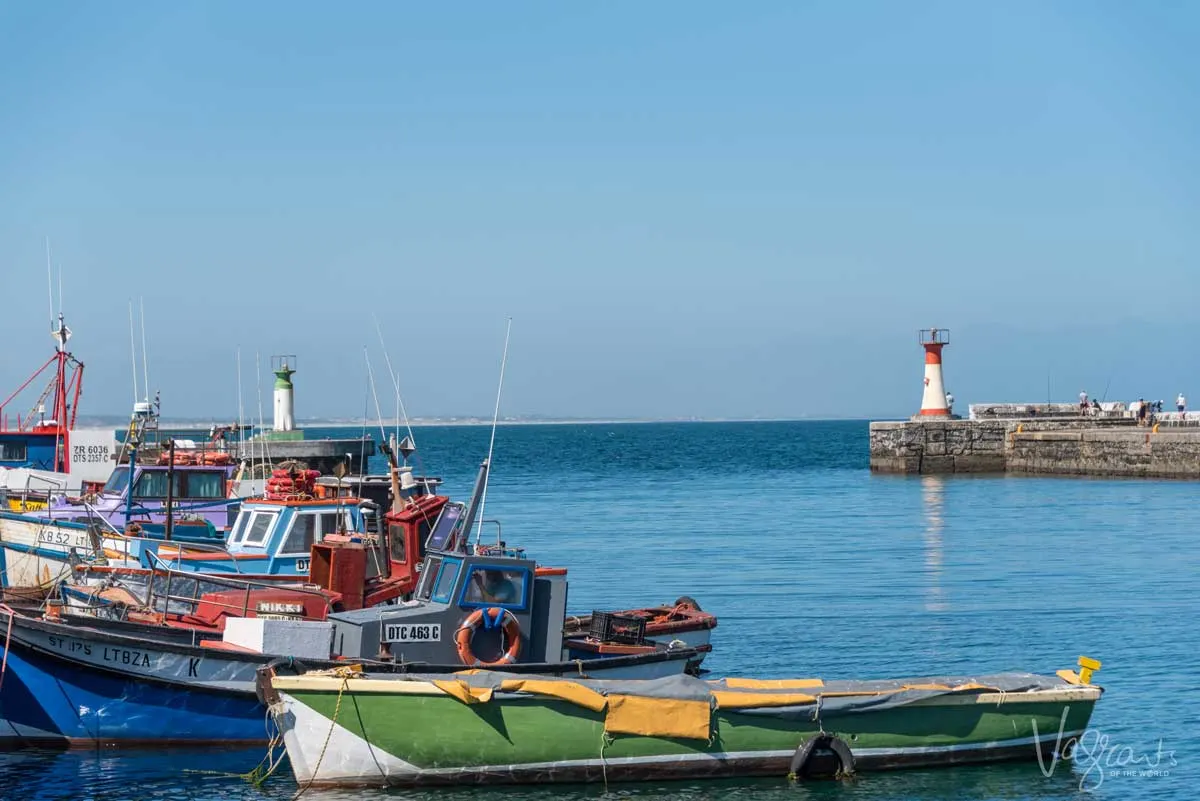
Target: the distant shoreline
(453, 422)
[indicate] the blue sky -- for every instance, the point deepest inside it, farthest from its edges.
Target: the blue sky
(687, 208)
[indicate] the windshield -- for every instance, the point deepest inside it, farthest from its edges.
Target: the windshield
(117, 482)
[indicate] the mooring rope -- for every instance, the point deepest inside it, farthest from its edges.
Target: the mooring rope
(7, 639)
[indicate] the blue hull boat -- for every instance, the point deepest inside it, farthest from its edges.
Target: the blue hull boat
(48, 701)
(114, 683)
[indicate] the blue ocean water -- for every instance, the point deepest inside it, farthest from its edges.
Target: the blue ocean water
(815, 568)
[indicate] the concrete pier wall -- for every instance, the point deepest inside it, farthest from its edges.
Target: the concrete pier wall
(1047, 447)
(1136, 452)
(950, 446)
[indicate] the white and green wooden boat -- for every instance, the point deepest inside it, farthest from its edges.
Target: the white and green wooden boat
(355, 729)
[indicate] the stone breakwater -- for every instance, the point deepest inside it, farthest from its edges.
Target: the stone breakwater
(1075, 447)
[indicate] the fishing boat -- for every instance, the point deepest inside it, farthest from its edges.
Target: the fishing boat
(353, 728)
(415, 553)
(41, 450)
(38, 547)
(165, 674)
(78, 680)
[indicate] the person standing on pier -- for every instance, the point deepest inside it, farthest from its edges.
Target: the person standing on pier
(1181, 404)
(1083, 401)
(949, 403)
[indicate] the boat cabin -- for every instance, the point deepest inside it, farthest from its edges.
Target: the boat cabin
(196, 492)
(37, 449)
(491, 607)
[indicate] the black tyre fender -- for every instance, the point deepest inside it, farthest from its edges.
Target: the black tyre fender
(799, 768)
(687, 600)
(288, 664)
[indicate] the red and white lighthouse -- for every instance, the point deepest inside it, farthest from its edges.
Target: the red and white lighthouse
(935, 402)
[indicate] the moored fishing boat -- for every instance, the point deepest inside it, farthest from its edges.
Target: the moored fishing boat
(474, 606)
(345, 728)
(77, 680)
(41, 450)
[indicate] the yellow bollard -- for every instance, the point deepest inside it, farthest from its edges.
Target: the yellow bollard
(1086, 667)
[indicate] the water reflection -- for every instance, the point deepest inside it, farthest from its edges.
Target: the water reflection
(933, 490)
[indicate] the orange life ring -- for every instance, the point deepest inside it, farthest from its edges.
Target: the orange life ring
(490, 618)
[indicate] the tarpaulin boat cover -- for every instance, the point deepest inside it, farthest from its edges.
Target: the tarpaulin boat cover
(683, 706)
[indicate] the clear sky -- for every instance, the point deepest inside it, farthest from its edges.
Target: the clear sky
(688, 208)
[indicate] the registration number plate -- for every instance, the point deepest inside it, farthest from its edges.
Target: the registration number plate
(412, 632)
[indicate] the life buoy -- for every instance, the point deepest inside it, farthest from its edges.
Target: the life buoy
(822, 756)
(490, 618)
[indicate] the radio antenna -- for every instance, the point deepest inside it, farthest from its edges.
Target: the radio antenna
(145, 363)
(401, 411)
(50, 283)
(133, 352)
(492, 443)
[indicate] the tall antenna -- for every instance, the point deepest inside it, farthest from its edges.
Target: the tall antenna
(371, 379)
(60, 301)
(133, 352)
(266, 454)
(492, 443)
(145, 364)
(241, 417)
(50, 283)
(395, 384)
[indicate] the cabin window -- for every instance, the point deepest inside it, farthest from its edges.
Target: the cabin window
(423, 528)
(490, 585)
(445, 581)
(429, 571)
(187, 484)
(259, 528)
(151, 485)
(397, 543)
(201, 485)
(117, 482)
(451, 514)
(329, 523)
(239, 528)
(13, 451)
(302, 535)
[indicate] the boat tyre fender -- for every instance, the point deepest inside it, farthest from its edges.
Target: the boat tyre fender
(288, 664)
(812, 761)
(489, 618)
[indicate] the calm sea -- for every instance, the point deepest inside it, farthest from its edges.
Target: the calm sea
(815, 568)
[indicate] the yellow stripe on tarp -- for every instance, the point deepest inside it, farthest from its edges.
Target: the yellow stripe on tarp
(658, 717)
(564, 690)
(772, 684)
(738, 700)
(463, 691)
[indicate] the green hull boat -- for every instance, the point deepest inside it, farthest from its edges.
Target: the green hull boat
(352, 729)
